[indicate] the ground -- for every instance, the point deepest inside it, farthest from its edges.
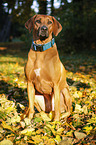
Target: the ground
(15, 128)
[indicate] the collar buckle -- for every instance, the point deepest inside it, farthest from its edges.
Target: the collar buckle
(38, 47)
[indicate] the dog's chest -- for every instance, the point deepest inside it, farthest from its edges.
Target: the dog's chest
(42, 80)
(42, 70)
(41, 75)
(38, 66)
(37, 72)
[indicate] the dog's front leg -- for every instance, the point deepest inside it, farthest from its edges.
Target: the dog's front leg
(57, 102)
(31, 97)
(67, 101)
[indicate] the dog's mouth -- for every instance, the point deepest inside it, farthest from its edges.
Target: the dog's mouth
(43, 37)
(43, 33)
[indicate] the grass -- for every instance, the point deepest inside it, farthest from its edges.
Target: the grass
(80, 127)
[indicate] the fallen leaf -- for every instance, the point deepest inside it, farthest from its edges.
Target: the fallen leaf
(22, 124)
(6, 126)
(79, 135)
(70, 133)
(60, 130)
(58, 138)
(92, 120)
(44, 116)
(27, 132)
(85, 110)
(66, 141)
(52, 129)
(87, 129)
(37, 139)
(78, 108)
(6, 142)
(27, 121)
(51, 114)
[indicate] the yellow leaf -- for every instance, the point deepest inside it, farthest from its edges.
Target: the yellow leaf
(70, 133)
(6, 142)
(87, 129)
(78, 108)
(45, 137)
(22, 124)
(6, 126)
(37, 139)
(15, 119)
(50, 142)
(16, 64)
(80, 94)
(51, 114)
(64, 115)
(76, 95)
(25, 137)
(60, 130)
(21, 106)
(39, 131)
(89, 103)
(44, 116)
(79, 135)
(58, 138)
(15, 80)
(66, 141)
(27, 121)
(85, 110)
(76, 116)
(27, 132)
(30, 141)
(92, 120)
(52, 129)
(9, 109)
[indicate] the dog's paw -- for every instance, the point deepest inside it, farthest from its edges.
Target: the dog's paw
(57, 117)
(30, 115)
(65, 115)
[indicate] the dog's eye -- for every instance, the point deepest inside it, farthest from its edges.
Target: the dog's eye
(49, 22)
(38, 21)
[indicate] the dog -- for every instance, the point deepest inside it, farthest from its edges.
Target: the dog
(44, 71)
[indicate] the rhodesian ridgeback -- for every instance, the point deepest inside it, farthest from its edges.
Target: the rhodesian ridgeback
(44, 71)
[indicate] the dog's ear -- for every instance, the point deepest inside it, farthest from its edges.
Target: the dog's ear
(29, 23)
(56, 26)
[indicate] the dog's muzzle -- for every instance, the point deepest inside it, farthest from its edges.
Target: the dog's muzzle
(43, 32)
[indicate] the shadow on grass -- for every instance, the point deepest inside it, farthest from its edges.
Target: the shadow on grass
(20, 95)
(13, 93)
(17, 49)
(77, 84)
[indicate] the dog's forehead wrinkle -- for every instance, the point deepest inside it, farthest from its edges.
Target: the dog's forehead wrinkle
(43, 18)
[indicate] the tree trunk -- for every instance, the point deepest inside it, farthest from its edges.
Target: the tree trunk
(5, 33)
(78, 23)
(52, 7)
(42, 6)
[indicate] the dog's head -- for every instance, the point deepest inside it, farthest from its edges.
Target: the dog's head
(43, 26)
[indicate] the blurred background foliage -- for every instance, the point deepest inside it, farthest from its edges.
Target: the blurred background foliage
(78, 19)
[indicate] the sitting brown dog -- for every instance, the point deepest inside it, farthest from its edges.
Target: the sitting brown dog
(44, 71)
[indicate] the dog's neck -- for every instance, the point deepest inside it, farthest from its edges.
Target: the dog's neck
(42, 46)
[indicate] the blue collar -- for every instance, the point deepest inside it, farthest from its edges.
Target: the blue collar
(40, 47)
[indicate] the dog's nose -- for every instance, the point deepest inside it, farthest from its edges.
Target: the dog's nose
(44, 28)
